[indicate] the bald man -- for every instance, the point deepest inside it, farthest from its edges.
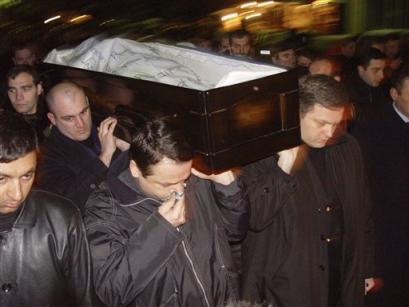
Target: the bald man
(76, 156)
(324, 66)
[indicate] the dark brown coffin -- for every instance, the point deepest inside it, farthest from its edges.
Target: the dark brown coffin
(228, 126)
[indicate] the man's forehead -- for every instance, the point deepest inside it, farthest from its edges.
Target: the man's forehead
(23, 52)
(377, 63)
(20, 166)
(22, 77)
(168, 169)
(240, 40)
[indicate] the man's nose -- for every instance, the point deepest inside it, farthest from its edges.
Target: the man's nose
(15, 191)
(330, 130)
(79, 122)
(19, 95)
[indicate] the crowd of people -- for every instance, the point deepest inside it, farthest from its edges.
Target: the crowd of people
(89, 219)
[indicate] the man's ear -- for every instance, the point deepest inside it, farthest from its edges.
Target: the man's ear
(136, 173)
(51, 117)
(394, 93)
(40, 89)
(361, 69)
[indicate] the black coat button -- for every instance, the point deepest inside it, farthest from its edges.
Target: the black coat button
(266, 190)
(6, 287)
(322, 268)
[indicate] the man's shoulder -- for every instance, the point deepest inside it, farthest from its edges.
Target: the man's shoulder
(100, 204)
(56, 142)
(44, 201)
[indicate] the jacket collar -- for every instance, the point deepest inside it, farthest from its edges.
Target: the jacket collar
(58, 138)
(27, 216)
(121, 184)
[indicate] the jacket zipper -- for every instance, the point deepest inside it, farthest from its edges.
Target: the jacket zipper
(194, 270)
(218, 251)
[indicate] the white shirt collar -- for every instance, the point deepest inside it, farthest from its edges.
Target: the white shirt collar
(401, 115)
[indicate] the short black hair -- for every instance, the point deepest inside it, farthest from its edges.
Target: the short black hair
(322, 90)
(392, 37)
(399, 78)
(157, 137)
(18, 69)
(371, 54)
(240, 33)
(17, 137)
(24, 45)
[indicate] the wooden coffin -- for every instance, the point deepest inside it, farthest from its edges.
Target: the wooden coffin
(228, 126)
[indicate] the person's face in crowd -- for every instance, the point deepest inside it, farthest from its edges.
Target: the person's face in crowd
(205, 44)
(303, 61)
(24, 56)
(240, 45)
(348, 49)
(401, 98)
(16, 179)
(165, 177)
(224, 46)
(373, 74)
(321, 67)
(319, 126)
(72, 116)
(392, 48)
(23, 93)
(285, 58)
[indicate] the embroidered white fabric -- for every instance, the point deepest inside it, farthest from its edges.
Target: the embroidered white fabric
(174, 65)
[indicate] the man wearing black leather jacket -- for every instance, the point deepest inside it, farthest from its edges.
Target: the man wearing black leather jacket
(159, 230)
(44, 254)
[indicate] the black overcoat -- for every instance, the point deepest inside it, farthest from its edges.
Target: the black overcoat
(285, 257)
(384, 140)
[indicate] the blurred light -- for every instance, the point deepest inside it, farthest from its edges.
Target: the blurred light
(321, 2)
(52, 18)
(247, 12)
(107, 21)
(243, 6)
(229, 16)
(252, 16)
(80, 19)
(265, 3)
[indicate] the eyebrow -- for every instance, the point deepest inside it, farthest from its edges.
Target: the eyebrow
(73, 115)
(32, 170)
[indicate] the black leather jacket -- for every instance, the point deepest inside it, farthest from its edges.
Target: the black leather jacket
(44, 258)
(140, 259)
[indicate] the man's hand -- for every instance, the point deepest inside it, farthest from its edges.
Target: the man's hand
(369, 284)
(287, 159)
(121, 144)
(224, 178)
(173, 210)
(107, 139)
(373, 284)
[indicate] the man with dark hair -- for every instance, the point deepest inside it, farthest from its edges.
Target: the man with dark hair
(365, 85)
(159, 230)
(310, 238)
(44, 255)
(240, 43)
(25, 90)
(76, 156)
(284, 55)
(392, 46)
(384, 140)
(25, 53)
